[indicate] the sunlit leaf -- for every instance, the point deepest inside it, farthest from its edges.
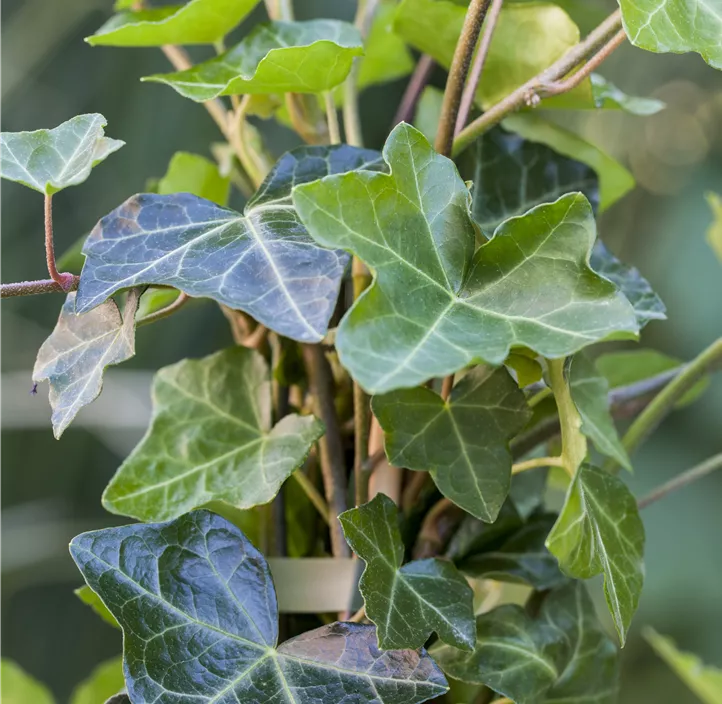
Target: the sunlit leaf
(714, 232)
(436, 305)
(18, 687)
(704, 680)
(263, 262)
(608, 96)
(407, 603)
(464, 442)
(675, 26)
(104, 682)
(278, 57)
(561, 656)
(210, 439)
(195, 22)
(190, 173)
(198, 610)
(73, 359)
(599, 531)
(90, 598)
(590, 395)
(50, 160)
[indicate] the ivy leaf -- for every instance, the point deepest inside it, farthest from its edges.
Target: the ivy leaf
(18, 687)
(198, 610)
(226, 397)
(407, 603)
(277, 57)
(435, 304)
(51, 160)
(464, 442)
(73, 359)
(563, 655)
(590, 395)
(607, 96)
(105, 681)
(91, 599)
(196, 22)
(190, 173)
(599, 531)
(675, 27)
(705, 681)
(714, 232)
(263, 262)
(521, 558)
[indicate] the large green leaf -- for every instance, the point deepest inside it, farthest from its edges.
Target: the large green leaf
(198, 610)
(599, 531)
(435, 304)
(196, 22)
(263, 262)
(590, 395)
(73, 359)
(210, 438)
(463, 442)
(675, 26)
(704, 680)
(190, 173)
(18, 687)
(407, 603)
(562, 656)
(714, 232)
(105, 681)
(278, 57)
(50, 160)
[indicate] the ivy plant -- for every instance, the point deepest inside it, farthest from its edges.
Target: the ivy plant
(420, 393)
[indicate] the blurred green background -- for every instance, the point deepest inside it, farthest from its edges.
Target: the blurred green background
(51, 490)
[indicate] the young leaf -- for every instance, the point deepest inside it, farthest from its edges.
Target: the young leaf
(104, 682)
(73, 359)
(225, 397)
(278, 57)
(599, 531)
(263, 262)
(704, 680)
(563, 655)
(607, 96)
(407, 603)
(464, 442)
(196, 22)
(198, 610)
(50, 160)
(18, 687)
(190, 173)
(89, 597)
(677, 27)
(435, 305)
(714, 232)
(589, 393)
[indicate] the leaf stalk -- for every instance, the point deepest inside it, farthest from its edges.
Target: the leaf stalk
(574, 443)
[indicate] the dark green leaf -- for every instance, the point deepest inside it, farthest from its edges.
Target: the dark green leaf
(562, 656)
(464, 442)
(599, 531)
(89, 597)
(50, 160)
(105, 681)
(18, 687)
(73, 359)
(210, 439)
(435, 304)
(527, 490)
(196, 22)
(198, 610)
(407, 603)
(263, 262)
(278, 57)
(190, 173)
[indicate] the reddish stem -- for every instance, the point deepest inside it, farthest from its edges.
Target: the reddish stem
(65, 281)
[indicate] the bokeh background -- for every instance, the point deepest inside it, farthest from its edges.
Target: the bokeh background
(51, 490)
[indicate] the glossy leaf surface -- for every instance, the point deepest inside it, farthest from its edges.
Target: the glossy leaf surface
(435, 304)
(278, 57)
(50, 160)
(599, 531)
(18, 687)
(73, 359)
(198, 610)
(195, 22)
(563, 655)
(263, 262)
(462, 443)
(104, 682)
(407, 603)
(190, 173)
(210, 439)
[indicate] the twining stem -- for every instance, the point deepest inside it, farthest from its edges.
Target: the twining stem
(526, 94)
(313, 494)
(457, 74)
(472, 83)
(574, 443)
(334, 130)
(446, 387)
(171, 308)
(417, 83)
(537, 462)
(682, 480)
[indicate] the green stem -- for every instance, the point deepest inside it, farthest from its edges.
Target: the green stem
(682, 480)
(334, 131)
(313, 494)
(574, 444)
(536, 462)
